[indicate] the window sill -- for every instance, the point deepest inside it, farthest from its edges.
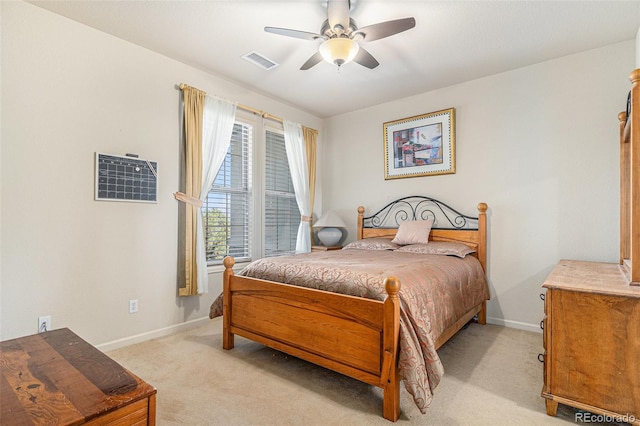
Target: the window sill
(217, 269)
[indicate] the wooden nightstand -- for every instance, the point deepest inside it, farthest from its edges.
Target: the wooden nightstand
(324, 248)
(57, 378)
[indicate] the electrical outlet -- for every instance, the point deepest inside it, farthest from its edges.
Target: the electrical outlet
(44, 323)
(133, 306)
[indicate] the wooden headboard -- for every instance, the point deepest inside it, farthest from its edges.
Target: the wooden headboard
(448, 223)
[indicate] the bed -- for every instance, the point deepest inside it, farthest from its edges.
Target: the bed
(385, 328)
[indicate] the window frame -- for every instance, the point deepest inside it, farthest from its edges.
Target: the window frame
(256, 185)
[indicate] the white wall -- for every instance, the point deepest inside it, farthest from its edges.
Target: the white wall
(67, 92)
(638, 48)
(538, 144)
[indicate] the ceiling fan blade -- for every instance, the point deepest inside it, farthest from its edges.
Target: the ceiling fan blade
(338, 13)
(366, 59)
(294, 33)
(385, 29)
(312, 61)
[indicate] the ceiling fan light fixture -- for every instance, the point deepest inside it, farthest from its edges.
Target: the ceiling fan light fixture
(339, 50)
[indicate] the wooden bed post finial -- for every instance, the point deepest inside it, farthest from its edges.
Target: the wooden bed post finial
(622, 116)
(392, 286)
(228, 262)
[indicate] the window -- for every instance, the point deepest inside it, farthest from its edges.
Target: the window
(282, 216)
(226, 210)
(251, 209)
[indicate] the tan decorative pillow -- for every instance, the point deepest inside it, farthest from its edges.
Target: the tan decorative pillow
(372, 244)
(413, 232)
(439, 247)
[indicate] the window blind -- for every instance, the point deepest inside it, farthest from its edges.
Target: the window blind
(282, 216)
(227, 208)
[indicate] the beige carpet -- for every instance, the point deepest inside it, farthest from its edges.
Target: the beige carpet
(492, 377)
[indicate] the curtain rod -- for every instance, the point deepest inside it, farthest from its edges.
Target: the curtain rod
(261, 113)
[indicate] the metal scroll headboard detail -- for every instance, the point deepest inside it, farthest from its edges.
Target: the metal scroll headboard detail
(628, 108)
(418, 207)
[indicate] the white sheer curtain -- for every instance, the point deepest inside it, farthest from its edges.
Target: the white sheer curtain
(217, 126)
(297, 156)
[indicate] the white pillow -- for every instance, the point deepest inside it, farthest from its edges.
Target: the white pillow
(413, 232)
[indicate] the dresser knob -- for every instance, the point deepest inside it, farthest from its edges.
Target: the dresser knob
(542, 296)
(541, 357)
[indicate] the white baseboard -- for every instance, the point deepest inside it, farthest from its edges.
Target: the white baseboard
(166, 331)
(515, 324)
(153, 334)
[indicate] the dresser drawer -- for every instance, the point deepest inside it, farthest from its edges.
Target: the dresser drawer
(130, 415)
(596, 348)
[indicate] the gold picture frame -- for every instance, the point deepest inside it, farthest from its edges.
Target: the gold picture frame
(422, 145)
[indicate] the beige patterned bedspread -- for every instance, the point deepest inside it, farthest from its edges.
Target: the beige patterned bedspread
(435, 291)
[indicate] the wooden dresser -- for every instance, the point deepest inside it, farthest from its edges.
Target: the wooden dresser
(56, 378)
(592, 340)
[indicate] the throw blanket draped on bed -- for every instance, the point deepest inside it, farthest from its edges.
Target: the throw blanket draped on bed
(435, 291)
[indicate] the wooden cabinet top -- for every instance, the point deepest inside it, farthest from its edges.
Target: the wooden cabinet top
(57, 378)
(591, 277)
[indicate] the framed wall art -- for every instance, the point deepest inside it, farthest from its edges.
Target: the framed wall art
(422, 145)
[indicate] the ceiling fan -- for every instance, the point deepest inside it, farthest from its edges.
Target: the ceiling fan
(340, 36)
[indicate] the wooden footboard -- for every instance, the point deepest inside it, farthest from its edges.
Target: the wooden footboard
(354, 336)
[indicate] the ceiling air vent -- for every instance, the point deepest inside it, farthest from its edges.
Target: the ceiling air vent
(260, 60)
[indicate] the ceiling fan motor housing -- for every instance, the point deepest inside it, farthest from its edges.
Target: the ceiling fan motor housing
(338, 31)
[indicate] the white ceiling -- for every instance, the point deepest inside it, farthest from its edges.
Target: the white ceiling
(453, 41)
